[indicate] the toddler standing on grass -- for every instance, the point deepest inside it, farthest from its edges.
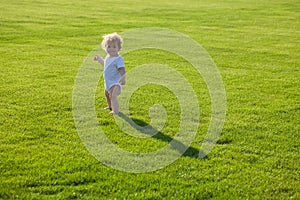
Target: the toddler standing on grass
(114, 70)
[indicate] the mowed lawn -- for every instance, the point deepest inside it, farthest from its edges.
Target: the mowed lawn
(256, 46)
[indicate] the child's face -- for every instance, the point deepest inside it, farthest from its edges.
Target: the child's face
(112, 48)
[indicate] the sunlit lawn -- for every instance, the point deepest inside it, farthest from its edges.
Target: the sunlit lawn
(256, 48)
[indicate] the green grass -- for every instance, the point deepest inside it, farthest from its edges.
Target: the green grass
(255, 46)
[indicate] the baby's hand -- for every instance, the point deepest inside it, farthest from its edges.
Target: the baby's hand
(99, 59)
(96, 57)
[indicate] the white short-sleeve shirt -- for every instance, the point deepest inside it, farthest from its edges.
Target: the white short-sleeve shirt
(111, 73)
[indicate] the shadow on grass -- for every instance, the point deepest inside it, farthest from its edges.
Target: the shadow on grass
(141, 126)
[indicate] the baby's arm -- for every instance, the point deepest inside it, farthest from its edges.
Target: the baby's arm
(123, 75)
(99, 59)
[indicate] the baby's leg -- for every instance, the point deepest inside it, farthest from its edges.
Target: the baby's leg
(115, 91)
(108, 100)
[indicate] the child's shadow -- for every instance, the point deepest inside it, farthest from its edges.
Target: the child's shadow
(140, 125)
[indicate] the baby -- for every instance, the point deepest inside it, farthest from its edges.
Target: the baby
(114, 70)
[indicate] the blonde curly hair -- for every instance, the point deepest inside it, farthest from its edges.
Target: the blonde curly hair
(112, 38)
